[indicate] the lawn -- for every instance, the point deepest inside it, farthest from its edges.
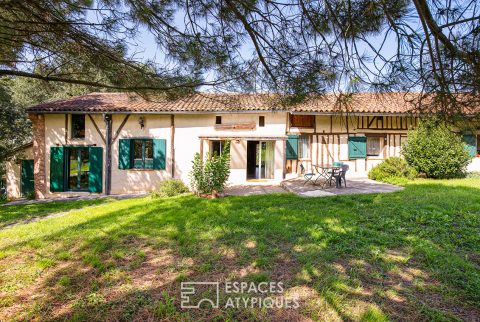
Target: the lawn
(412, 255)
(23, 213)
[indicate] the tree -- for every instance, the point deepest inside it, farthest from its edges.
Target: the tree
(299, 48)
(26, 92)
(15, 127)
(15, 96)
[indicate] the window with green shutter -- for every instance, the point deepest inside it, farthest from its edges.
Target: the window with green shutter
(142, 154)
(357, 147)
(470, 142)
(292, 147)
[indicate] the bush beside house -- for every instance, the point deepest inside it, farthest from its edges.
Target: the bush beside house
(436, 151)
(393, 170)
(210, 176)
(170, 188)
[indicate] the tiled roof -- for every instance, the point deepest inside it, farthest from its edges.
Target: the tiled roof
(132, 103)
(388, 103)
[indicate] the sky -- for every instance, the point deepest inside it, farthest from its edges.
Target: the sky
(145, 48)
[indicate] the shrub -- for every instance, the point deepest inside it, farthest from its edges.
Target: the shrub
(210, 176)
(393, 170)
(436, 151)
(170, 188)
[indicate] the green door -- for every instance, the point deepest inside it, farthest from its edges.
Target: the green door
(26, 184)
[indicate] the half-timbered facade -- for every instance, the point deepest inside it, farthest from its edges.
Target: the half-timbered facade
(114, 143)
(324, 139)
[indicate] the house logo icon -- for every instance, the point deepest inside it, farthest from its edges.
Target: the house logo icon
(196, 294)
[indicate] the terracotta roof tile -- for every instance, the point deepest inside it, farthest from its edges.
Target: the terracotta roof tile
(394, 103)
(131, 103)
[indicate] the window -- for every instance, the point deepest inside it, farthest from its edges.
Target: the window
(142, 153)
(303, 147)
(78, 126)
(77, 168)
(298, 147)
(261, 121)
(302, 120)
(217, 147)
(218, 119)
(373, 145)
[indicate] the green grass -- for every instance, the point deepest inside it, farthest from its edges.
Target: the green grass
(410, 255)
(13, 214)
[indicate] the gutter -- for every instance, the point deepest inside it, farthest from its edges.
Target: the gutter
(231, 112)
(159, 113)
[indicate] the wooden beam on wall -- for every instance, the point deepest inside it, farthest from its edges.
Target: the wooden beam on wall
(117, 133)
(339, 146)
(96, 128)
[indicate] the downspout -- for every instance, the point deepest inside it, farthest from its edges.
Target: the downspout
(108, 152)
(172, 143)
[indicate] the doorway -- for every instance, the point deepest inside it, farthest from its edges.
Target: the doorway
(78, 168)
(260, 160)
(26, 184)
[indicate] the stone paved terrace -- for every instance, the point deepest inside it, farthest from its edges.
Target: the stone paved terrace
(354, 186)
(249, 189)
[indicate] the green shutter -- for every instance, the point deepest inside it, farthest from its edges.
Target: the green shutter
(292, 147)
(96, 169)
(57, 167)
(124, 155)
(159, 154)
(470, 142)
(357, 147)
(26, 183)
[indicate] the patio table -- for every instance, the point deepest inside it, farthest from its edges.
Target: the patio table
(325, 172)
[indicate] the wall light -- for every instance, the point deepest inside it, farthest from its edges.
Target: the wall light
(141, 121)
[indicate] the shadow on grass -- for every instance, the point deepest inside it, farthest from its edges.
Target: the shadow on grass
(410, 255)
(15, 214)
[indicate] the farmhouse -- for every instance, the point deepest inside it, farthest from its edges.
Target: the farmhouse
(117, 143)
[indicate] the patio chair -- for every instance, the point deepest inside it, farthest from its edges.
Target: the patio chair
(307, 175)
(340, 175)
(332, 172)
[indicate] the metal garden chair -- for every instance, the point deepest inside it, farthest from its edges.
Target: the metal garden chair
(307, 175)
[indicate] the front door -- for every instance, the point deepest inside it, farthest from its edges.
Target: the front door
(78, 168)
(26, 184)
(260, 156)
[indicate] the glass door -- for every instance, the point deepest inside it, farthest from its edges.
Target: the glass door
(78, 168)
(264, 160)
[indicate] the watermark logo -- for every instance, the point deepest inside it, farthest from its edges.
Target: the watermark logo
(191, 290)
(238, 295)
